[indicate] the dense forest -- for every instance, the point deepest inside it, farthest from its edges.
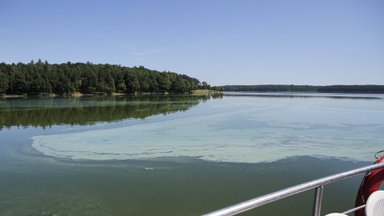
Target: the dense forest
(307, 88)
(40, 77)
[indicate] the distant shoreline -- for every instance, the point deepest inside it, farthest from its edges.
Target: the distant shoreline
(352, 89)
(355, 89)
(197, 92)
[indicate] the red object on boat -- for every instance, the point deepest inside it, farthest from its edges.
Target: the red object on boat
(371, 183)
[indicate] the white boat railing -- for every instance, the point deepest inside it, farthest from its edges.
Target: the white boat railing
(317, 185)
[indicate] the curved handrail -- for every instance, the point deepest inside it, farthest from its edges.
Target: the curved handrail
(290, 191)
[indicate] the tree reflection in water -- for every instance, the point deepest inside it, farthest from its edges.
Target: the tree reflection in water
(90, 110)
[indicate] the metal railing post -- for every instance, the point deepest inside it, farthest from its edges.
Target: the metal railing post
(318, 200)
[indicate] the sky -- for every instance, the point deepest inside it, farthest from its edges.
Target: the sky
(222, 42)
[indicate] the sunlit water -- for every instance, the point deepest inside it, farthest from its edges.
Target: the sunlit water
(181, 155)
(236, 129)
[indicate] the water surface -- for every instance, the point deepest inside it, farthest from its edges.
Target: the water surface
(179, 155)
(237, 129)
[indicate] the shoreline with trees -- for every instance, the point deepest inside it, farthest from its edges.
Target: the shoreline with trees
(77, 79)
(87, 79)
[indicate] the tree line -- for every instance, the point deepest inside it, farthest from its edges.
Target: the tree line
(40, 77)
(307, 88)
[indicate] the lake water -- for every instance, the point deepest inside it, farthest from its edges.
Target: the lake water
(181, 155)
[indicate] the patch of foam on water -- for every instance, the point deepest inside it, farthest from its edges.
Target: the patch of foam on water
(232, 145)
(254, 132)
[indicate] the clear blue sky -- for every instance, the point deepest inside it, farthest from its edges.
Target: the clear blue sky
(218, 41)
